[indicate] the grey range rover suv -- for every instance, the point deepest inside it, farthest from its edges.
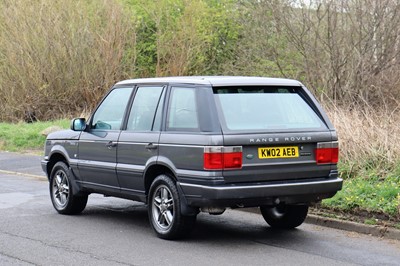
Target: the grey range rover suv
(185, 145)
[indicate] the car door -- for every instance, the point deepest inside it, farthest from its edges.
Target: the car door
(138, 144)
(98, 144)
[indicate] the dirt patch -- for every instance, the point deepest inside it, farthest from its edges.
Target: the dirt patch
(359, 216)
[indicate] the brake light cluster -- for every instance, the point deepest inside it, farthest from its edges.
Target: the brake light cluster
(327, 152)
(221, 158)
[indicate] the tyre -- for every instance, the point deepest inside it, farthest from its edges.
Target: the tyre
(61, 191)
(284, 216)
(165, 210)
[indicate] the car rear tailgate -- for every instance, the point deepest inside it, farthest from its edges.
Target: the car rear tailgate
(275, 157)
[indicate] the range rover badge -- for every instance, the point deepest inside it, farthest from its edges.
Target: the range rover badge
(249, 156)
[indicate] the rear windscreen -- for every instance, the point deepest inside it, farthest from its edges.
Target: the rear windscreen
(265, 108)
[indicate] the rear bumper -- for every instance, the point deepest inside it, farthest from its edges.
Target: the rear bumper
(250, 195)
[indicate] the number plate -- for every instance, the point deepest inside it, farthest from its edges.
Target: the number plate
(278, 152)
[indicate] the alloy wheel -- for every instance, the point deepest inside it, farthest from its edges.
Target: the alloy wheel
(61, 189)
(163, 207)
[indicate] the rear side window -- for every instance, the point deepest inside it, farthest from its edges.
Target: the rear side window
(182, 111)
(142, 114)
(265, 108)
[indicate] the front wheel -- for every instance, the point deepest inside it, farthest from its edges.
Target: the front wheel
(61, 191)
(284, 216)
(165, 210)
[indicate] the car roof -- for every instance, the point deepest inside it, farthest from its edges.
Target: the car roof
(216, 81)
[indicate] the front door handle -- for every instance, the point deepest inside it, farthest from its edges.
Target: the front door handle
(151, 146)
(111, 145)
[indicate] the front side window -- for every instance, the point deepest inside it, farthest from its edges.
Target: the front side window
(265, 108)
(145, 104)
(182, 111)
(110, 113)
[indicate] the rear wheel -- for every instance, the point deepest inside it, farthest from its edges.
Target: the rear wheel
(165, 210)
(61, 191)
(284, 216)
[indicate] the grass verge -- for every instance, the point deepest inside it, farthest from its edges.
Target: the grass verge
(369, 163)
(23, 137)
(369, 196)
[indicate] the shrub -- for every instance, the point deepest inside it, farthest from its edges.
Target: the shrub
(59, 57)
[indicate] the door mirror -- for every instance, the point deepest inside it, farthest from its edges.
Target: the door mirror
(78, 124)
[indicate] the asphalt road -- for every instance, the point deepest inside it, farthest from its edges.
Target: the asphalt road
(117, 232)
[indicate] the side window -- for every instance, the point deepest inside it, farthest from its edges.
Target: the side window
(182, 111)
(141, 117)
(111, 111)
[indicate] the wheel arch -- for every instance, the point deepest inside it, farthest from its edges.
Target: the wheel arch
(161, 169)
(53, 159)
(155, 170)
(59, 154)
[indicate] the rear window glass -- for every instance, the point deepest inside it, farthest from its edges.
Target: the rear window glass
(265, 108)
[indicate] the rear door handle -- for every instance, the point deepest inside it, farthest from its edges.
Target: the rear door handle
(111, 145)
(151, 146)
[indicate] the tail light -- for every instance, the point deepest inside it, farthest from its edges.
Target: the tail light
(327, 152)
(220, 158)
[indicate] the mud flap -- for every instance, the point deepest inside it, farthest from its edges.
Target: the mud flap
(185, 208)
(76, 189)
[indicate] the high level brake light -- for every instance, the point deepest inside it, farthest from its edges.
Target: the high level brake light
(327, 152)
(220, 158)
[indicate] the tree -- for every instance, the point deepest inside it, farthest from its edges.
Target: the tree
(59, 57)
(182, 37)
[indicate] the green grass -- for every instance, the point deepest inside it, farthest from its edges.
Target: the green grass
(21, 137)
(369, 192)
(371, 221)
